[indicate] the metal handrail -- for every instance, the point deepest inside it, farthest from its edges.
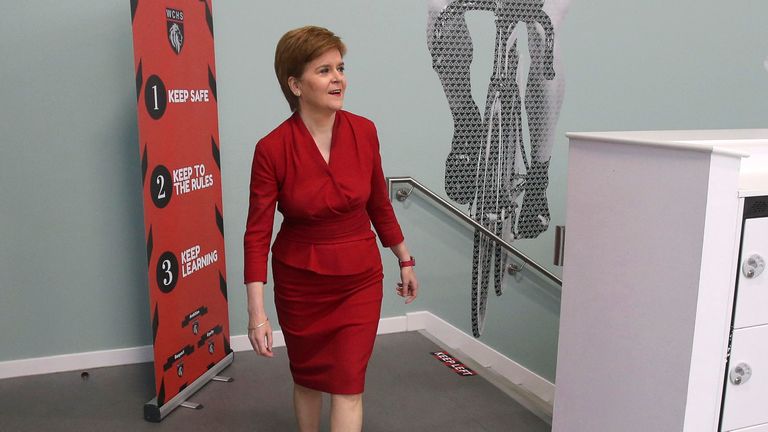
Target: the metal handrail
(465, 218)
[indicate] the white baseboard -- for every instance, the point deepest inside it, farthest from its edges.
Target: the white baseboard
(453, 338)
(76, 361)
(447, 334)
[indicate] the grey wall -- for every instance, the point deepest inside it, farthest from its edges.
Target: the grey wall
(71, 229)
(72, 263)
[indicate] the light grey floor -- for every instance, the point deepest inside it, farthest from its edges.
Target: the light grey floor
(406, 390)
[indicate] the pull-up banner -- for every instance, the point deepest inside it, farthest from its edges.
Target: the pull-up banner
(181, 175)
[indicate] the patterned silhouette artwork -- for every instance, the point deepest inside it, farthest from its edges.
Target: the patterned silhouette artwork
(489, 168)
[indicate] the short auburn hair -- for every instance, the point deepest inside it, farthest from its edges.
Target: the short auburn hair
(299, 47)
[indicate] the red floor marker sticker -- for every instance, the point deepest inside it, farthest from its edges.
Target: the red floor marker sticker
(452, 363)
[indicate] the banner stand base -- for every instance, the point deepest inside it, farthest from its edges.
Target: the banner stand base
(155, 414)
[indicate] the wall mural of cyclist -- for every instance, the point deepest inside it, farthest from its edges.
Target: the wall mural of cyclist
(498, 164)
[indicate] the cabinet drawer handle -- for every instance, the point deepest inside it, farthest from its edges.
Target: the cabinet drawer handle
(740, 374)
(753, 266)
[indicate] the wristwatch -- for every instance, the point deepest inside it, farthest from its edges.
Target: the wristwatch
(410, 263)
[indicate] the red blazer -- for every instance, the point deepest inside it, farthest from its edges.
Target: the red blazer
(327, 207)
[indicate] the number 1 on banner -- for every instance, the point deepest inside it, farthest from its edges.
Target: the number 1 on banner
(154, 97)
(154, 91)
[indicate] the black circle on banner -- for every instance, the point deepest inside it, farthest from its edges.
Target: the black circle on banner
(167, 272)
(161, 186)
(155, 98)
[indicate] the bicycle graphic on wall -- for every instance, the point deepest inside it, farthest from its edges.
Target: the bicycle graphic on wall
(488, 167)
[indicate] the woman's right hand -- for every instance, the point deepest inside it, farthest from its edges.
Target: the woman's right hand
(260, 337)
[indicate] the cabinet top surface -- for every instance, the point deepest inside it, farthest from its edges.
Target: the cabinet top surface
(749, 144)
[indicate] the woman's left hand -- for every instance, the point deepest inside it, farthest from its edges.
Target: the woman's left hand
(408, 286)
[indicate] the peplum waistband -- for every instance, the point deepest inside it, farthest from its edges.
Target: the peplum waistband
(344, 245)
(340, 229)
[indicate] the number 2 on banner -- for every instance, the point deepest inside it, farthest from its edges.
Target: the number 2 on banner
(161, 182)
(160, 195)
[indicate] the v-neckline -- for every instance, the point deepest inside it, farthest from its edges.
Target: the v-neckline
(318, 154)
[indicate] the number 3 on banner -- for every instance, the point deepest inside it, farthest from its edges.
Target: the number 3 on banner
(167, 267)
(167, 272)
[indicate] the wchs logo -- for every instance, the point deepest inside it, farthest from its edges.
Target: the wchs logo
(175, 20)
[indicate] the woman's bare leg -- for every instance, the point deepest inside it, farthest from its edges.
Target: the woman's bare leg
(307, 404)
(347, 413)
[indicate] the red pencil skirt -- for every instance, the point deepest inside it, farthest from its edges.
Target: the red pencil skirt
(329, 323)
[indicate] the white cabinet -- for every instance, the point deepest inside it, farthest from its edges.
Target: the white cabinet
(649, 298)
(745, 403)
(746, 392)
(752, 301)
(760, 428)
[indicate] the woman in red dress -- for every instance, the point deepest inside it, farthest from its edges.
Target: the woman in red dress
(322, 169)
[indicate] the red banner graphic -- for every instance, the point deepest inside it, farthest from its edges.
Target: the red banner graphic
(181, 174)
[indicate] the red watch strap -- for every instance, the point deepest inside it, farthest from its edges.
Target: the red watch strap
(410, 263)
